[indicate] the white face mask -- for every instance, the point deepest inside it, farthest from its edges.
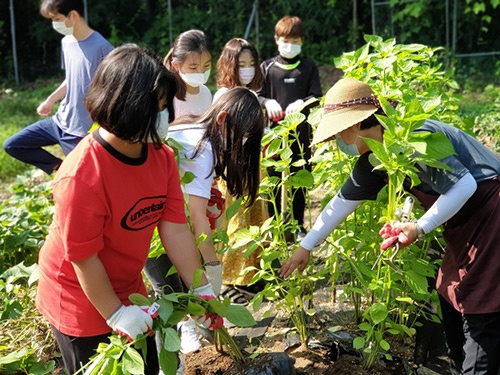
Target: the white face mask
(195, 79)
(247, 74)
(161, 125)
(61, 28)
(289, 50)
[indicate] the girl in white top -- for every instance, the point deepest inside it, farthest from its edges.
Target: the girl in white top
(224, 142)
(190, 60)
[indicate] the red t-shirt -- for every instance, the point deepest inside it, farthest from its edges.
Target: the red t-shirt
(109, 204)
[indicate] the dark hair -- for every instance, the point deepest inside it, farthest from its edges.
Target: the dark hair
(236, 161)
(191, 41)
(50, 7)
(289, 26)
(228, 65)
(124, 94)
(372, 121)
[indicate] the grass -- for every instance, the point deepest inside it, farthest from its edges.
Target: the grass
(482, 111)
(18, 110)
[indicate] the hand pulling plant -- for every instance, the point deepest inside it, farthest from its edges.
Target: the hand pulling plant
(122, 357)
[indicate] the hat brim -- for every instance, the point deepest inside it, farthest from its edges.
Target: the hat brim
(334, 122)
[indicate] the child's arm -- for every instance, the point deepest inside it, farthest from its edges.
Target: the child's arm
(128, 321)
(95, 283)
(198, 217)
(180, 247)
(45, 108)
(201, 226)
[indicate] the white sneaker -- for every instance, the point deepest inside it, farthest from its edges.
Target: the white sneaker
(180, 369)
(190, 341)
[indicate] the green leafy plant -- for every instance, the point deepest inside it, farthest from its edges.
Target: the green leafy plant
(25, 361)
(122, 357)
(25, 218)
(293, 296)
(25, 341)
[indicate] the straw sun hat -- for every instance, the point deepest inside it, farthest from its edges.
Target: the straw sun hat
(347, 102)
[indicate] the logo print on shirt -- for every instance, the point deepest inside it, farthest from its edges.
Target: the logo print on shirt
(146, 212)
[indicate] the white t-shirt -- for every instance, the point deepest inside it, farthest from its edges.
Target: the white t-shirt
(219, 92)
(187, 137)
(223, 90)
(195, 104)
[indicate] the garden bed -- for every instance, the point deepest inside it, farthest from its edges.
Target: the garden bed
(329, 350)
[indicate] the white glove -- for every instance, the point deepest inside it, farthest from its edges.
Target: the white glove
(130, 321)
(295, 106)
(205, 290)
(214, 276)
(273, 109)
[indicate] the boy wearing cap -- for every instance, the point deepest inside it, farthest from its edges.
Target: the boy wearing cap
(82, 50)
(289, 81)
(468, 204)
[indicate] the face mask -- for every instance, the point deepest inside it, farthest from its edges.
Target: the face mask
(61, 28)
(247, 74)
(351, 149)
(161, 125)
(289, 50)
(195, 79)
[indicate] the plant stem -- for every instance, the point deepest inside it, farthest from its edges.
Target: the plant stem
(223, 338)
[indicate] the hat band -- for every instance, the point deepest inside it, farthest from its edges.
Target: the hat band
(349, 103)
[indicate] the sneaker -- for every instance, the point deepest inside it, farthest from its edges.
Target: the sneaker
(300, 234)
(190, 341)
(180, 369)
(234, 295)
(297, 236)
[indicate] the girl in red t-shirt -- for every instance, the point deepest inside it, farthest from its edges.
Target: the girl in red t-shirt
(111, 192)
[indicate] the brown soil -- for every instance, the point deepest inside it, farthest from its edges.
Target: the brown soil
(321, 356)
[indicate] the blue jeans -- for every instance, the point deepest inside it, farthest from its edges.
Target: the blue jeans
(26, 145)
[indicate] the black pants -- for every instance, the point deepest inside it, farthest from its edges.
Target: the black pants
(300, 150)
(156, 270)
(76, 351)
(473, 340)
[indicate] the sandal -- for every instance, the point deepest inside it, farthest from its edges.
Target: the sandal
(251, 290)
(234, 295)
